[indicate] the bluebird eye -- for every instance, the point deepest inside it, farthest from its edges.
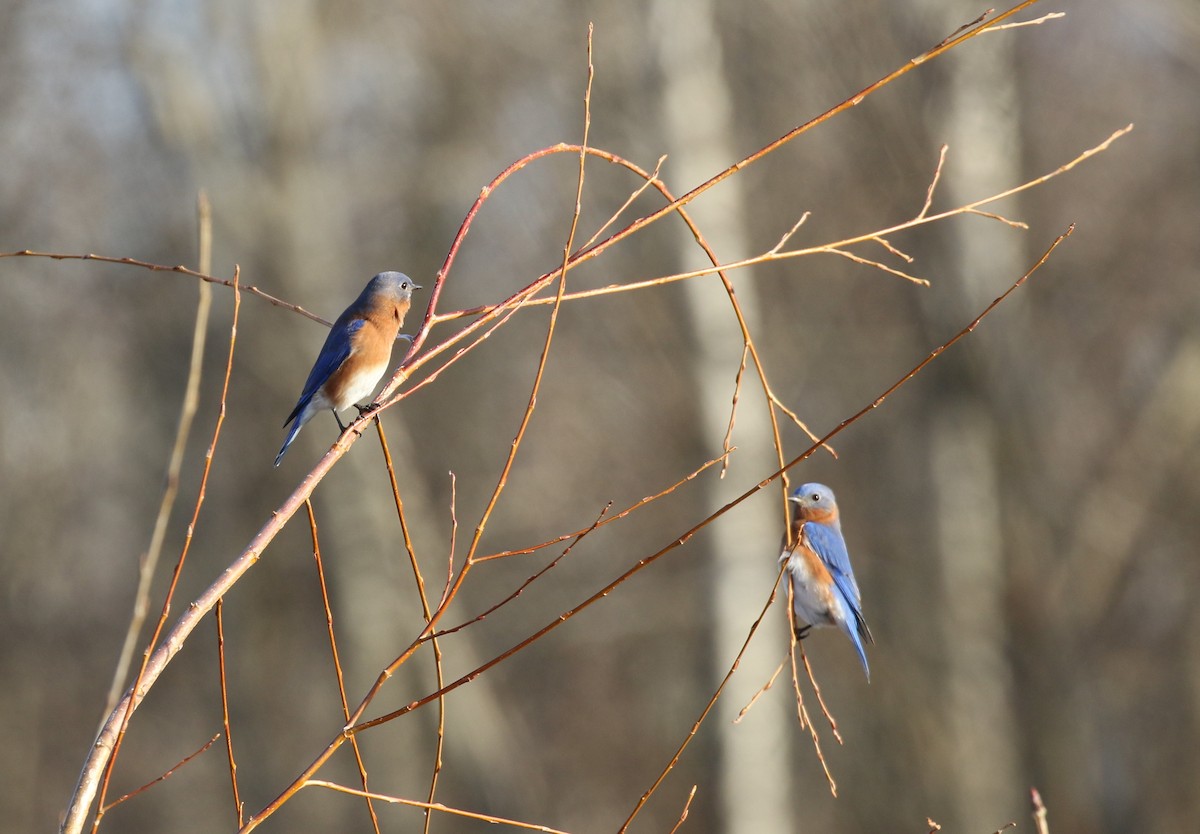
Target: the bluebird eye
(816, 496)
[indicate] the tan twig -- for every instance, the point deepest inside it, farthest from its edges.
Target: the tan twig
(1036, 22)
(686, 806)
(527, 416)
(762, 690)
(770, 255)
(1039, 812)
(337, 661)
(182, 270)
(858, 259)
(933, 183)
(238, 805)
(637, 192)
(727, 441)
(187, 414)
(886, 244)
(795, 418)
(453, 538)
(1016, 224)
(425, 610)
(789, 234)
(820, 698)
(956, 32)
(802, 710)
(520, 588)
(432, 806)
(637, 505)
(166, 775)
(124, 715)
(707, 708)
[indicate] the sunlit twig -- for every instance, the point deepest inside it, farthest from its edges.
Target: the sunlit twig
(683, 815)
(704, 713)
(432, 806)
(337, 661)
(187, 414)
(134, 691)
(238, 805)
(167, 775)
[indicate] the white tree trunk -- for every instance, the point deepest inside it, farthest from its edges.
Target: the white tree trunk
(697, 123)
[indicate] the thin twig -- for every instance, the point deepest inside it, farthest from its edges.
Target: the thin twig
(425, 611)
(182, 270)
(859, 259)
(1039, 812)
(933, 183)
(727, 440)
(990, 215)
(187, 414)
(527, 416)
(166, 775)
(1036, 22)
(652, 179)
(704, 713)
(637, 505)
(238, 805)
(127, 714)
(820, 698)
(806, 722)
(886, 244)
(683, 815)
(956, 32)
(337, 661)
(432, 806)
(770, 255)
(453, 538)
(520, 588)
(762, 690)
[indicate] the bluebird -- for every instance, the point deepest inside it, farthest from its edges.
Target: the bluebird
(824, 592)
(356, 352)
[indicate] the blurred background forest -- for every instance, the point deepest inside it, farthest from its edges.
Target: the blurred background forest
(1022, 516)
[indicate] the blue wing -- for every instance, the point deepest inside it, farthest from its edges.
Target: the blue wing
(828, 544)
(333, 353)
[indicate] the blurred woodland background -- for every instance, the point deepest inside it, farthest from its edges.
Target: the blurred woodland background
(1022, 516)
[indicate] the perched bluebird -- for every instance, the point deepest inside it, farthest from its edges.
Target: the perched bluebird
(355, 354)
(823, 588)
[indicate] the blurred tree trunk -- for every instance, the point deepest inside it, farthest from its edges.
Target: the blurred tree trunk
(697, 112)
(979, 123)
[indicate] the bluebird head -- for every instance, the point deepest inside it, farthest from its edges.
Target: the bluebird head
(396, 285)
(814, 502)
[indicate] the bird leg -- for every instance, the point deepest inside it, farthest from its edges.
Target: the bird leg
(802, 631)
(339, 419)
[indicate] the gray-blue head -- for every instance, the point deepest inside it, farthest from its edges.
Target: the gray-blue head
(814, 502)
(395, 285)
